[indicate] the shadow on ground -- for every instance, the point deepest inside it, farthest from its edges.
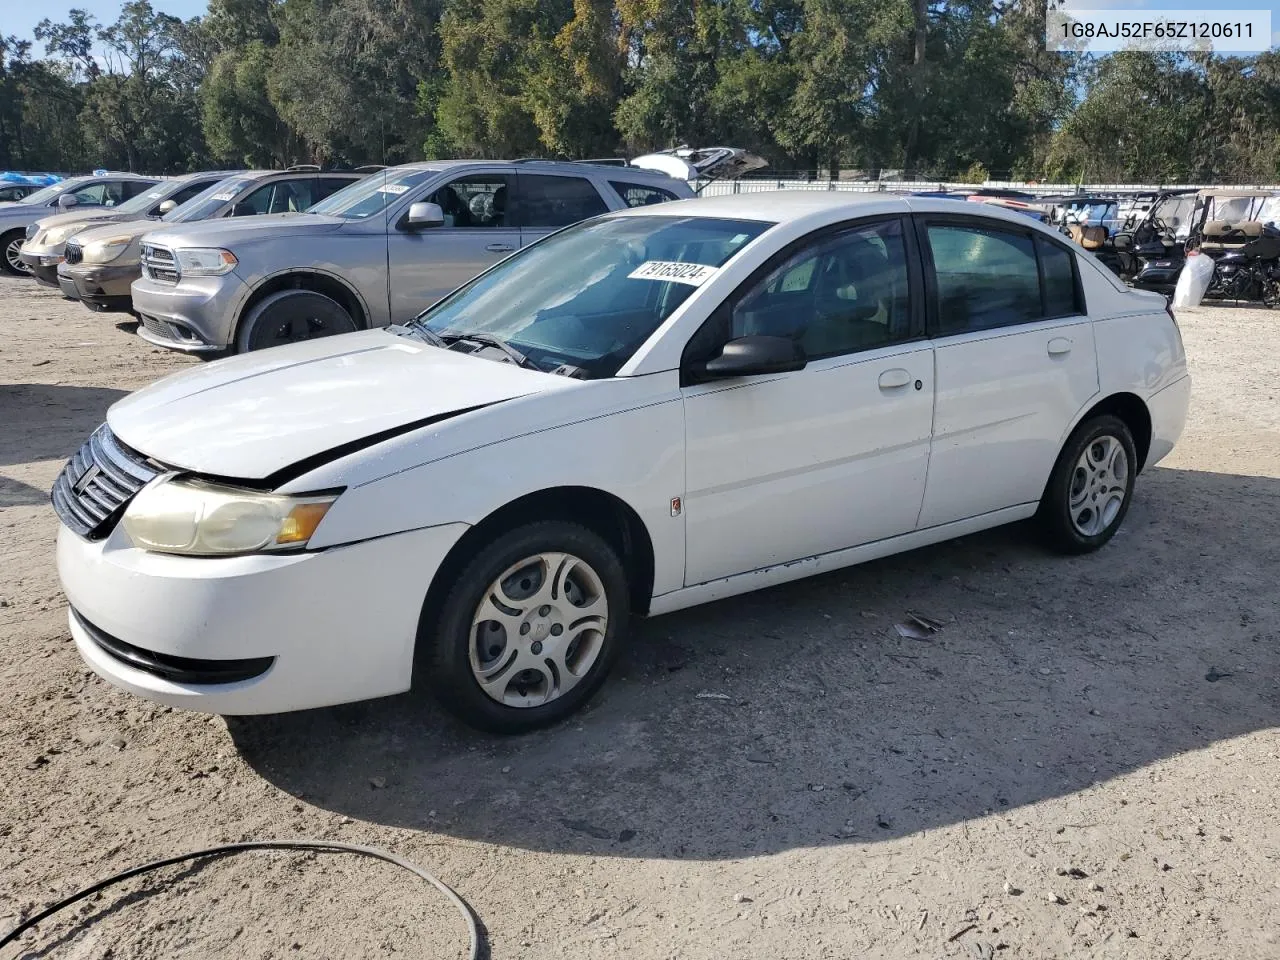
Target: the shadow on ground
(1054, 673)
(40, 421)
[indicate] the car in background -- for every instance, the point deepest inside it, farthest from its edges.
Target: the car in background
(650, 410)
(375, 253)
(99, 190)
(43, 249)
(100, 263)
(10, 192)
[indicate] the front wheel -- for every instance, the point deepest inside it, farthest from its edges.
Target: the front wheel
(1089, 492)
(11, 246)
(529, 629)
(292, 316)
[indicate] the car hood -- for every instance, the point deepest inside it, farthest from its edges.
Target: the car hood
(78, 216)
(252, 416)
(130, 228)
(23, 211)
(224, 232)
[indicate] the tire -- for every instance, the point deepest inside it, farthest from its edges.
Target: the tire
(9, 261)
(291, 316)
(461, 645)
(1091, 487)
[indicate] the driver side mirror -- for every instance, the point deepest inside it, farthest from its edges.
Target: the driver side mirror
(167, 206)
(754, 356)
(424, 215)
(67, 201)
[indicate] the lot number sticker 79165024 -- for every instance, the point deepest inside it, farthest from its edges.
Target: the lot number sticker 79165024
(694, 274)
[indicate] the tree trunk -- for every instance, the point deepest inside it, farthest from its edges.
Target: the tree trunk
(920, 9)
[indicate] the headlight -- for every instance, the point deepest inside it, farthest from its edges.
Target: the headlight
(203, 519)
(205, 261)
(32, 229)
(56, 235)
(106, 249)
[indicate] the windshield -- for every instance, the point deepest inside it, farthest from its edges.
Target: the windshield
(590, 295)
(1175, 213)
(51, 191)
(371, 195)
(208, 201)
(145, 201)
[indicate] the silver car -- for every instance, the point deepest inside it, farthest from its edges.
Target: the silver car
(98, 190)
(376, 253)
(47, 238)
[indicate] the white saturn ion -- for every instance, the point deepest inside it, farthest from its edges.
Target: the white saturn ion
(649, 410)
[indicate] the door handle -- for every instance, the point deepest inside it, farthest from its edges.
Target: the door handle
(892, 379)
(1059, 346)
(499, 248)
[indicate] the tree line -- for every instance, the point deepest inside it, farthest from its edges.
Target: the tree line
(938, 90)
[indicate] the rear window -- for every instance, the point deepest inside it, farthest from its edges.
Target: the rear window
(641, 195)
(548, 201)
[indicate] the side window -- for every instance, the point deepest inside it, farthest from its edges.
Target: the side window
(844, 293)
(259, 201)
(291, 196)
(1058, 278)
(639, 195)
(987, 277)
(128, 189)
(479, 201)
(548, 201)
(93, 195)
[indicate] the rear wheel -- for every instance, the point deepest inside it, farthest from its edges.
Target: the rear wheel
(529, 629)
(292, 316)
(1091, 486)
(10, 246)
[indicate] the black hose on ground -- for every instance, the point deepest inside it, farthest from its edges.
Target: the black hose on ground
(315, 846)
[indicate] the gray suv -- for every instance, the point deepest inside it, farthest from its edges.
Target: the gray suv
(100, 264)
(99, 190)
(378, 252)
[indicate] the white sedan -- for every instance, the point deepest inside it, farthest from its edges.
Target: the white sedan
(646, 411)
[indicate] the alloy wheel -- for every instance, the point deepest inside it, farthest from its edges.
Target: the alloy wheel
(11, 251)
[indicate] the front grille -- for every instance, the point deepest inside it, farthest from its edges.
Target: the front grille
(175, 669)
(158, 263)
(72, 252)
(97, 483)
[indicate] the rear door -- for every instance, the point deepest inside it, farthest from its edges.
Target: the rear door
(479, 229)
(549, 201)
(1015, 362)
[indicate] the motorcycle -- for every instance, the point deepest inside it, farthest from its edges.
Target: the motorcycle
(1251, 271)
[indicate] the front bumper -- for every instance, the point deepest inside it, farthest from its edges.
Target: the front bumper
(1168, 410)
(195, 315)
(99, 286)
(43, 265)
(307, 629)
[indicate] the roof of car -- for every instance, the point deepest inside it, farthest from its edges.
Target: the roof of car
(536, 164)
(819, 206)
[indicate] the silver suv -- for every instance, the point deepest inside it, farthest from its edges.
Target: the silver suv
(99, 265)
(98, 190)
(378, 252)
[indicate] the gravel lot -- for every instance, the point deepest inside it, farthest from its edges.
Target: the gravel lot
(1083, 762)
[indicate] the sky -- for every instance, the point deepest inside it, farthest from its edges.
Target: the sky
(21, 16)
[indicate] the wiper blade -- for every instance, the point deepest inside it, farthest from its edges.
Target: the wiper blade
(492, 341)
(417, 332)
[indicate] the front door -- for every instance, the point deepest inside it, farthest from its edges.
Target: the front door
(1015, 364)
(788, 466)
(479, 230)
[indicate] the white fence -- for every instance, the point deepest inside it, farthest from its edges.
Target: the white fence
(721, 187)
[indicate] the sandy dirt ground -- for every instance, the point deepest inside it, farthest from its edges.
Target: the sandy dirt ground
(1082, 763)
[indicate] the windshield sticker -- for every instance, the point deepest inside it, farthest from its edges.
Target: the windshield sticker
(223, 196)
(694, 274)
(393, 188)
